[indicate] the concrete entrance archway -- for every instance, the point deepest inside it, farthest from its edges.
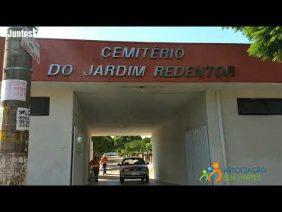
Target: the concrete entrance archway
(177, 100)
(160, 110)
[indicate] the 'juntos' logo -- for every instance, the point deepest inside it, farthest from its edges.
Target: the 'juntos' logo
(21, 33)
(212, 173)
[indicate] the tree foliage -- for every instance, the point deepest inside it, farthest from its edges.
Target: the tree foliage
(266, 42)
(120, 141)
(103, 144)
(136, 147)
(123, 145)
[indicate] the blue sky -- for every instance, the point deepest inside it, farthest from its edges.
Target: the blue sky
(146, 34)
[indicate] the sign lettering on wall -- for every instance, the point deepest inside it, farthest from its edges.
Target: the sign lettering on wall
(158, 71)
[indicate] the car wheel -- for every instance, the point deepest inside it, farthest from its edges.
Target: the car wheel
(121, 180)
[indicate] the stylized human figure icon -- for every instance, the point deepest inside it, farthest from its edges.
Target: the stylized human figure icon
(217, 171)
(205, 175)
(209, 169)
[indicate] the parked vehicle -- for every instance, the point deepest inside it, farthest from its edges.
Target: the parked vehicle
(133, 168)
(111, 154)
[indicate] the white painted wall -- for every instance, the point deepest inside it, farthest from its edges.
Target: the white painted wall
(50, 140)
(249, 140)
(169, 144)
(80, 150)
(169, 152)
(198, 156)
(217, 150)
(253, 139)
(195, 112)
(196, 139)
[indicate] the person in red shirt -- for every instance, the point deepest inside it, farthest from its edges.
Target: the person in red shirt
(94, 165)
(104, 161)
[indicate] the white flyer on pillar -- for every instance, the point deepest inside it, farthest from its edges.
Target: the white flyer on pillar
(13, 89)
(1, 116)
(22, 119)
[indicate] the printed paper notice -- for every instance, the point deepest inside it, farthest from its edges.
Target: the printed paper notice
(13, 89)
(22, 119)
(1, 116)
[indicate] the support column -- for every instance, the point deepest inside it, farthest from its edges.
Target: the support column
(216, 130)
(14, 111)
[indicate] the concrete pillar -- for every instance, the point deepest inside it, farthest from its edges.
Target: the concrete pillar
(215, 129)
(169, 153)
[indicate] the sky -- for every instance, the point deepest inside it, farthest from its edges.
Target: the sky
(143, 34)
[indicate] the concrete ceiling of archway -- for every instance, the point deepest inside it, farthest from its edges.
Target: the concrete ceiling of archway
(131, 109)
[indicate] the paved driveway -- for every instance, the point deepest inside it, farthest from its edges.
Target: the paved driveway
(112, 176)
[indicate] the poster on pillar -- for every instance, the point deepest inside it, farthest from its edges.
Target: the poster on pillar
(1, 116)
(22, 119)
(13, 89)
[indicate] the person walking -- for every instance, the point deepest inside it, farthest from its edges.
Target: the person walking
(94, 164)
(104, 161)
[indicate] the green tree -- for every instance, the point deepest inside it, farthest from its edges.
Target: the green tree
(120, 141)
(123, 145)
(141, 147)
(266, 42)
(102, 144)
(148, 149)
(121, 151)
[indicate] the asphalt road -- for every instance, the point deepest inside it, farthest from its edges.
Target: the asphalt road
(112, 176)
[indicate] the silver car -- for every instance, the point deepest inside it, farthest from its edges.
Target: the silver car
(133, 168)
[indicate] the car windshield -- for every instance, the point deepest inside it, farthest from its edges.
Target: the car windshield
(133, 161)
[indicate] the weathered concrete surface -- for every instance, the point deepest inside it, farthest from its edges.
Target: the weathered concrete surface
(13, 168)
